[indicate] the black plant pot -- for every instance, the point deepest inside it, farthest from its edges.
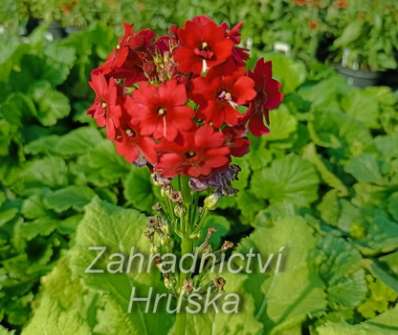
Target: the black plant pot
(361, 78)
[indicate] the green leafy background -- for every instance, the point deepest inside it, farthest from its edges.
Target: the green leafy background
(324, 185)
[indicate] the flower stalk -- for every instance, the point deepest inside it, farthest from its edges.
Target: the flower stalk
(182, 104)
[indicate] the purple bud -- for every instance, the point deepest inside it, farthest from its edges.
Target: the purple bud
(219, 181)
(140, 161)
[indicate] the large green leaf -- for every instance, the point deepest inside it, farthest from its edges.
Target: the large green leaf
(78, 141)
(118, 230)
(384, 324)
(61, 309)
(138, 189)
(365, 168)
(282, 124)
(296, 291)
(75, 197)
(288, 179)
(52, 104)
(101, 165)
(362, 107)
(50, 172)
(340, 267)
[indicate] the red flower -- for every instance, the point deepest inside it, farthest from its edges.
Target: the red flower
(201, 152)
(131, 56)
(133, 146)
(268, 97)
(219, 96)
(160, 111)
(239, 55)
(203, 45)
(105, 110)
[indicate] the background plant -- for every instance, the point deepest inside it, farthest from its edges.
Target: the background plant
(365, 35)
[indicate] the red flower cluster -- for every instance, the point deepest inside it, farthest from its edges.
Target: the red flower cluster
(182, 102)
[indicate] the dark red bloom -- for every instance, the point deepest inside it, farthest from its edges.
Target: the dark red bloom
(239, 55)
(268, 97)
(236, 140)
(201, 152)
(203, 45)
(105, 110)
(131, 56)
(161, 111)
(219, 97)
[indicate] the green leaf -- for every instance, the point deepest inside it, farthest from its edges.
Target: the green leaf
(59, 62)
(43, 145)
(7, 214)
(138, 189)
(351, 32)
(364, 168)
(340, 267)
(296, 291)
(291, 73)
(384, 324)
(382, 234)
(329, 178)
(387, 145)
(221, 226)
(362, 106)
(75, 197)
(26, 231)
(4, 331)
(52, 105)
(61, 308)
(118, 230)
(288, 179)
(249, 205)
(101, 165)
(33, 207)
(393, 205)
(50, 172)
(282, 124)
(77, 142)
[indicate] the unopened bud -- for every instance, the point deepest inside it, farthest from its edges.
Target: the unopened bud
(227, 245)
(176, 196)
(167, 282)
(211, 201)
(179, 210)
(157, 207)
(188, 286)
(210, 232)
(219, 283)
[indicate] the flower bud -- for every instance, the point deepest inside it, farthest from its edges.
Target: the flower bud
(227, 245)
(211, 201)
(188, 286)
(179, 210)
(219, 283)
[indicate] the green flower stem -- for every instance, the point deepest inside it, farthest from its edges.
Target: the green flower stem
(186, 242)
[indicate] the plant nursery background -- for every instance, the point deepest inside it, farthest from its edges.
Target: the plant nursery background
(323, 184)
